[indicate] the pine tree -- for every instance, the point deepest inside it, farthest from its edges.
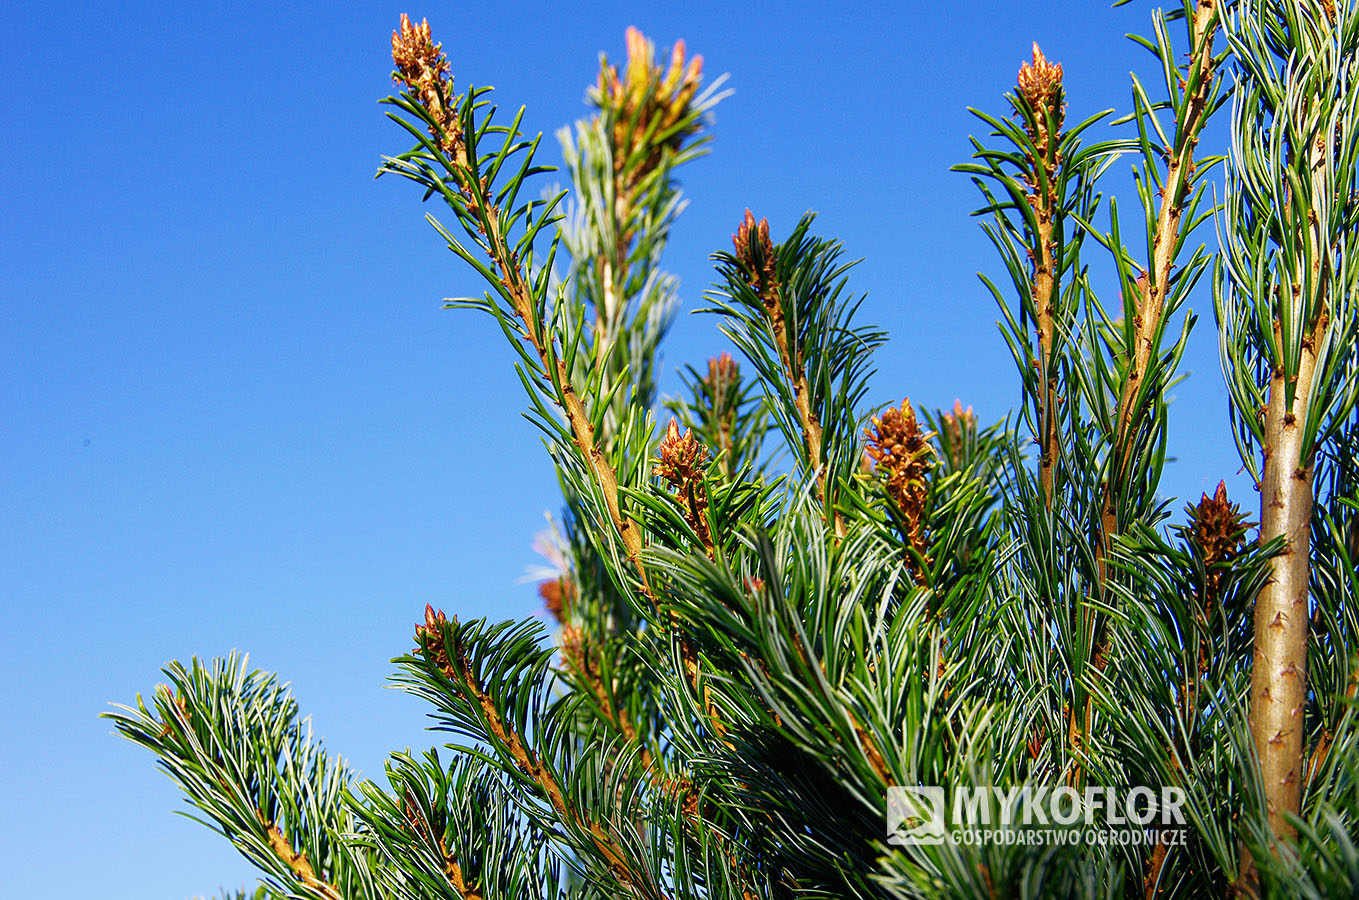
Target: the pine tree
(778, 603)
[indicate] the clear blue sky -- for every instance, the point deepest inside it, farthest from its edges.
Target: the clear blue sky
(232, 413)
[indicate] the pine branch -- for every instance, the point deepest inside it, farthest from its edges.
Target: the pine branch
(1152, 297)
(466, 184)
(790, 317)
(231, 738)
(445, 673)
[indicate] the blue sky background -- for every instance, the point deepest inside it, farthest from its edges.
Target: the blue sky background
(233, 415)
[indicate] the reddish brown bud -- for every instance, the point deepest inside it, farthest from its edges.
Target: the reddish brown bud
(1217, 524)
(430, 639)
(1040, 84)
(681, 456)
(722, 370)
(1040, 81)
(958, 425)
(755, 251)
(683, 463)
(422, 67)
(1217, 528)
(902, 451)
(416, 56)
(557, 594)
(745, 231)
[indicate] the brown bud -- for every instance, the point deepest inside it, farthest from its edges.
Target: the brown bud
(745, 231)
(683, 463)
(430, 639)
(1040, 84)
(557, 594)
(958, 425)
(902, 452)
(1217, 525)
(415, 54)
(755, 251)
(1217, 528)
(681, 456)
(1040, 81)
(422, 67)
(722, 370)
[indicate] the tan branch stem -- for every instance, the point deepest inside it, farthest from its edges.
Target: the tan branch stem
(1046, 286)
(582, 430)
(528, 762)
(1152, 290)
(296, 861)
(812, 433)
(1279, 670)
